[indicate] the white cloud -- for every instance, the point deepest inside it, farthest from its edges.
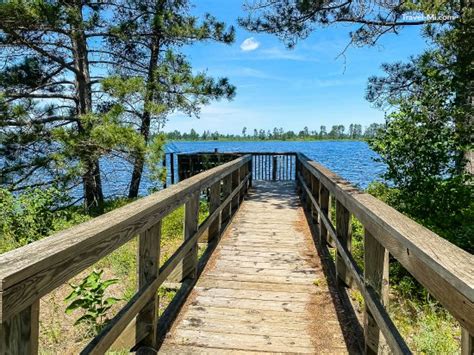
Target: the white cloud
(250, 44)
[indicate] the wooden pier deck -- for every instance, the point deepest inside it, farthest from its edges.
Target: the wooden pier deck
(264, 289)
(276, 271)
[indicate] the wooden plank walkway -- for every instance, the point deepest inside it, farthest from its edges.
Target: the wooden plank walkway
(263, 289)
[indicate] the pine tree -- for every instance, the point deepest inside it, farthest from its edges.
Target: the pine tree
(53, 121)
(148, 36)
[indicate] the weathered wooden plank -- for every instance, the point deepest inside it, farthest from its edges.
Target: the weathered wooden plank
(191, 350)
(30, 272)
(226, 190)
(467, 343)
(235, 182)
(376, 274)
(19, 334)
(267, 295)
(344, 234)
(209, 282)
(266, 343)
(324, 206)
(237, 328)
(214, 203)
(148, 268)
(444, 269)
(257, 316)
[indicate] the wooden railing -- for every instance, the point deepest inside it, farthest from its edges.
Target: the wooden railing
(445, 270)
(265, 165)
(273, 166)
(30, 272)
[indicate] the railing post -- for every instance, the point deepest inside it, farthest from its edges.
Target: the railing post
(307, 180)
(148, 269)
(344, 235)
(467, 342)
(315, 192)
(19, 334)
(191, 224)
(214, 203)
(241, 178)
(235, 183)
(274, 168)
(187, 267)
(376, 275)
(250, 169)
(324, 205)
(226, 190)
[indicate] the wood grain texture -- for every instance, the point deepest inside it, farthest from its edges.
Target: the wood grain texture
(344, 234)
(467, 343)
(30, 272)
(376, 274)
(148, 267)
(214, 203)
(444, 269)
(19, 335)
(264, 300)
(324, 206)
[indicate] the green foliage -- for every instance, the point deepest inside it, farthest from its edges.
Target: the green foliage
(429, 132)
(27, 217)
(294, 20)
(337, 132)
(428, 328)
(89, 296)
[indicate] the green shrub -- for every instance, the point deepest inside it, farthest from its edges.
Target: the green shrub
(27, 217)
(89, 295)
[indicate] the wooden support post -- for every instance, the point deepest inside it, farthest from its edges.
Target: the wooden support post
(324, 205)
(315, 193)
(274, 168)
(191, 224)
(226, 191)
(242, 175)
(19, 334)
(344, 235)
(250, 170)
(376, 268)
(166, 174)
(148, 269)
(307, 180)
(467, 342)
(187, 267)
(235, 182)
(172, 167)
(214, 203)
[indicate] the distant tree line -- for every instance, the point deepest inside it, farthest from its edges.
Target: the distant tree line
(354, 132)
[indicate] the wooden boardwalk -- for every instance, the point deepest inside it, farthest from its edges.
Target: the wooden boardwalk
(263, 289)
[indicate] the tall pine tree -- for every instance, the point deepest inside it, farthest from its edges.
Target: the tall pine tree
(147, 39)
(53, 119)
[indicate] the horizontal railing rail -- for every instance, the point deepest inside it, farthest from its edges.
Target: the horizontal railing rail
(445, 270)
(30, 272)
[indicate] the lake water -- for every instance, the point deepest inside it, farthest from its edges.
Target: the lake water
(354, 161)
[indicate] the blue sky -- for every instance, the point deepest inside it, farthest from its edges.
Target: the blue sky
(276, 87)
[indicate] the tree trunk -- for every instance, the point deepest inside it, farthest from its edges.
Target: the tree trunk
(92, 184)
(139, 156)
